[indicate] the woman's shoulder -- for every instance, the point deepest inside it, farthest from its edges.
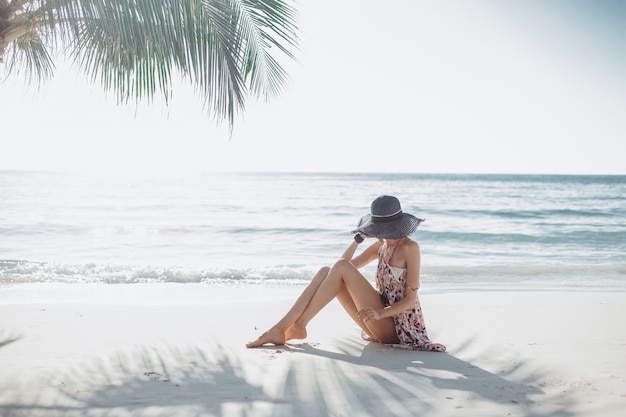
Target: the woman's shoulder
(410, 253)
(410, 245)
(409, 248)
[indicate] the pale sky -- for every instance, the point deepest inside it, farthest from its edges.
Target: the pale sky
(481, 86)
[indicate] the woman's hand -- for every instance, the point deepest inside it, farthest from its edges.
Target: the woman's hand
(369, 313)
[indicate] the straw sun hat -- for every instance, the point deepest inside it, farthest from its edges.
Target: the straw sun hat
(386, 220)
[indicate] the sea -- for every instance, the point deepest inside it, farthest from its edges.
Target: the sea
(481, 232)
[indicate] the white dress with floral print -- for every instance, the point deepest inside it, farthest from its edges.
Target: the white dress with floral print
(391, 285)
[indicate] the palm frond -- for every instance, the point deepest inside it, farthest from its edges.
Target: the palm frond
(32, 58)
(225, 48)
(26, 43)
(268, 24)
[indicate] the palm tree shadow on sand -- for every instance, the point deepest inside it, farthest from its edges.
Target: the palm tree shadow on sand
(410, 383)
(147, 381)
(295, 380)
(8, 338)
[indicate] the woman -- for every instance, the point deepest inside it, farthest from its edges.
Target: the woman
(389, 314)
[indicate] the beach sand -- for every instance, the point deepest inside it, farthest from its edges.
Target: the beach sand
(178, 350)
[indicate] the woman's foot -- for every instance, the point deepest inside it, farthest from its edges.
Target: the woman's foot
(295, 332)
(270, 337)
(276, 337)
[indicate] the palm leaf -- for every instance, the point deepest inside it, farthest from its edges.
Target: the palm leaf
(32, 56)
(263, 25)
(226, 49)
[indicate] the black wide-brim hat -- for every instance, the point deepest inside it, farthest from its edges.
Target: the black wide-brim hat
(387, 220)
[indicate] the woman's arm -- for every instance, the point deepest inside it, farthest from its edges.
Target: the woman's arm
(368, 255)
(349, 252)
(365, 257)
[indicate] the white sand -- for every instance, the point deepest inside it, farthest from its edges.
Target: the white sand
(178, 350)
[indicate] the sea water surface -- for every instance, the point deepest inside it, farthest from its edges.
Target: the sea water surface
(481, 231)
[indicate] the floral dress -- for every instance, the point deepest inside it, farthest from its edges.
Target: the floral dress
(410, 326)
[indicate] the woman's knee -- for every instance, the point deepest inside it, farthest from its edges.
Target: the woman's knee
(321, 275)
(324, 270)
(342, 265)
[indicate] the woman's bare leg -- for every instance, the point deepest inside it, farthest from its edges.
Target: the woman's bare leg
(345, 299)
(283, 330)
(342, 281)
(346, 283)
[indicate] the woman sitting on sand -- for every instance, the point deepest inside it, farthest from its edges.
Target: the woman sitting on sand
(389, 314)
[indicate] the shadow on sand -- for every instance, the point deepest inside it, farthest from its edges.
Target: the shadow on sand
(355, 378)
(409, 383)
(7, 339)
(148, 381)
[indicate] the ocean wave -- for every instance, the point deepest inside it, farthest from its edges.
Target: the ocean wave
(543, 213)
(528, 276)
(22, 272)
(17, 271)
(561, 238)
